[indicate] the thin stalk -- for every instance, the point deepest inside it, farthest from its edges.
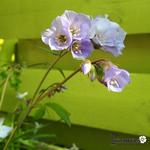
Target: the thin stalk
(4, 91)
(46, 93)
(40, 97)
(47, 72)
(32, 100)
(2, 83)
(59, 85)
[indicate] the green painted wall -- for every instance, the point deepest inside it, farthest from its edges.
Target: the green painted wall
(135, 56)
(90, 104)
(28, 18)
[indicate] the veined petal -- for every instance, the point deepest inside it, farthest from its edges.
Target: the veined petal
(46, 35)
(79, 24)
(58, 37)
(86, 67)
(116, 79)
(81, 49)
(60, 40)
(109, 35)
(60, 22)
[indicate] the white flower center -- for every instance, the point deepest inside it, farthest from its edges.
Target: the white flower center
(74, 31)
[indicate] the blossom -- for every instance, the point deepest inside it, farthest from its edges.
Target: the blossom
(58, 37)
(79, 24)
(86, 67)
(107, 34)
(81, 49)
(21, 95)
(4, 130)
(115, 79)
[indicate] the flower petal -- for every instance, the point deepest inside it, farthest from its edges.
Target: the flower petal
(116, 79)
(79, 24)
(81, 49)
(86, 67)
(107, 34)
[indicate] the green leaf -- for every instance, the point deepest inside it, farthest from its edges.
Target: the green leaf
(15, 80)
(3, 75)
(40, 111)
(44, 136)
(61, 112)
(99, 71)
(61, 72)
(29, 143)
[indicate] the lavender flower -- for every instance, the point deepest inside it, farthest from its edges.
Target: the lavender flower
(58, 37)
(79, 24)
(86, 67)
(107, 34)
(81, 49)
(116, 79)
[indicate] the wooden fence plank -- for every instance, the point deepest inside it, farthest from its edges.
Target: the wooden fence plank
(91, 104)
(135, 56)
(27, 19)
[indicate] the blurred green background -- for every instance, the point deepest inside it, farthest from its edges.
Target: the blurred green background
(95, 112)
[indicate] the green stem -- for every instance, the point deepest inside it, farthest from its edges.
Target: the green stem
(2, 83)
(46, 93)
(39, 98)
(26, 113)
(4, 91)
(47, 72)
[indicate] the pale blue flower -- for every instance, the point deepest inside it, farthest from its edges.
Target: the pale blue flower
(116, 79)
(81, 49)
(79, 24)
(4, 130)
(70, 31)
(58, 37)
(86, 67)
(107, 34)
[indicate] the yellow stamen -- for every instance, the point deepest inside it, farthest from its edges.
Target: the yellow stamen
(75, 46)
(61, 39)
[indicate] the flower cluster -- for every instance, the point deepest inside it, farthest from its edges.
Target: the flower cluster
(114, 78)
(81, 34)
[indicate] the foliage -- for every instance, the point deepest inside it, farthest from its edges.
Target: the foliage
(14, 72)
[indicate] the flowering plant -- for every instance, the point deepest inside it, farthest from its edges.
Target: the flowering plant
(80, 35)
